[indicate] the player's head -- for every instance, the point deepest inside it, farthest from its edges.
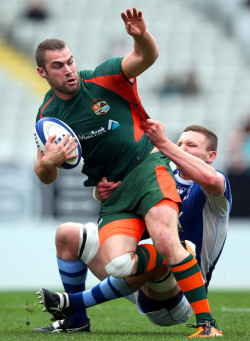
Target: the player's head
(47, 45)
(56, 64)
(200, 142)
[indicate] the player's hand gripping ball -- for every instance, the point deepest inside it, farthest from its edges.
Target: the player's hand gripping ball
(49, 126)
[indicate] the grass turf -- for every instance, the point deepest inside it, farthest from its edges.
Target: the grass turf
(119, 320)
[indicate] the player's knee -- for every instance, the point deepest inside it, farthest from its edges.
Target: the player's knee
(121, 267)
(88, 242)
(181, 312)
(63, 234)
(170, 316)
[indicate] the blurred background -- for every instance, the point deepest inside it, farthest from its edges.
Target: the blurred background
(202, 76)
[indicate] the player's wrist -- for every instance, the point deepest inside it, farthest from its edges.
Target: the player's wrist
(162, 142)
(46, 163)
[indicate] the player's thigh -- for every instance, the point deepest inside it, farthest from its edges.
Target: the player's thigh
(162, 219)
(116, 246)
(96, 266)
(120, 234)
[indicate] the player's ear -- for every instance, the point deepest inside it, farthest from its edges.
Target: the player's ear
(41, 72)
(212, 156)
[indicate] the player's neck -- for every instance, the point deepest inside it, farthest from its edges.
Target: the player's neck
(64, 96)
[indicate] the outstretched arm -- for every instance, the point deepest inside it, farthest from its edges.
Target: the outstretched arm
(190, 166)
(145, 50)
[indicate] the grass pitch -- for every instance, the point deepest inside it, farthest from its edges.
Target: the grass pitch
(119, 320)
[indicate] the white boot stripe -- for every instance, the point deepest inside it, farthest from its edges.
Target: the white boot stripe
(64, 300)
(56, 324)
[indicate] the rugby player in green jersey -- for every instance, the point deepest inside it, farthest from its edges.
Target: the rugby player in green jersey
(102, 106)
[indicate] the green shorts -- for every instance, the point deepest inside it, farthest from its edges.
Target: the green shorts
(145, 186)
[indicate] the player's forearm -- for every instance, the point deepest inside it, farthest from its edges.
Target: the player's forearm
(190, 166)
(46, 174)
(146, 48)
(142, 57)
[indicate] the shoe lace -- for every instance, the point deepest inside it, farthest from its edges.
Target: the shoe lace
(205, 325)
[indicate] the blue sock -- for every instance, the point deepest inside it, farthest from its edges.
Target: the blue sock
(107, 290)
(73, 275)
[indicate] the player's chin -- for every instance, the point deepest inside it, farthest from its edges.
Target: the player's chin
(71, 88)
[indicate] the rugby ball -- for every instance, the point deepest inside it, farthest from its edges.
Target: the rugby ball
(49, 126)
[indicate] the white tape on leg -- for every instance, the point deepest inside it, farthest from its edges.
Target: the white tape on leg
(88, 242)
(120, 267)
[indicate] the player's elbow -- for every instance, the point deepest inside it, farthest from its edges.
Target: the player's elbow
(214, 184)
(151, 59)
(210, 180)
(156, 54)
(148, 59)
(45, 179)
(45, 174)
(215, 179)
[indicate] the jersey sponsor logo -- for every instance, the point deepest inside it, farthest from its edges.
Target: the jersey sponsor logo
(92, 133)
(187, 194)
(112, 125)
(181, 191)
(101, 107)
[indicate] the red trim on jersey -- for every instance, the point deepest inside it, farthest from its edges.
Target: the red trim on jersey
(138, 131)
(43, 108)
(117, 84)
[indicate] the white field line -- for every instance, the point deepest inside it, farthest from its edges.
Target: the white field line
(236, 310)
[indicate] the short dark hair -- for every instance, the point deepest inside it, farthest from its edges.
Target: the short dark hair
(48, 44)
(211, 136)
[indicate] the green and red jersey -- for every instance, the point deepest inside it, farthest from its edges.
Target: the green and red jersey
(107, 115)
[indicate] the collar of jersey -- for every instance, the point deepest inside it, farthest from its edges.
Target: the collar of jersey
(183, 181)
